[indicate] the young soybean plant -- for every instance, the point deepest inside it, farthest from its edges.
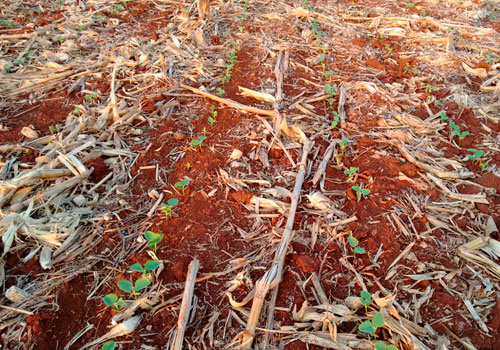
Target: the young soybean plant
(182, 185)
(167, 209)
(475, 154)
(354, 243)
(352, 170)
(148, 267)
(366, 299)
(198, 141)
(368, 326)
(360, 191)
(114, 301)
(153, 239)
(128, 287)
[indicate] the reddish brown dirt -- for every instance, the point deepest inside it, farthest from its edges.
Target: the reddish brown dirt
(52, 110)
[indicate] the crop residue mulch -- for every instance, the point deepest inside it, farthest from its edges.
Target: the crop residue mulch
(328, 150)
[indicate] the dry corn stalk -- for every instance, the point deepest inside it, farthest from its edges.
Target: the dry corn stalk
(272, 277)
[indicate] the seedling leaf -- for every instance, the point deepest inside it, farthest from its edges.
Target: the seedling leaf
(366, 327)
(125, 285)
(109, 345)
(151, 265)
(365, 191)
(392, 347)
(359, 250)
(110, 299)
(137, 268)
(380, 346)
(353, 241)
(378, 320)
(173, 201)
(141, 283)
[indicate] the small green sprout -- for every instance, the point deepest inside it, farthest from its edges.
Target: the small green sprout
(114, 301)
(109, 345)
(381, 35)
(204, 131)
(198, 141)
(389, 49)
(182, 185)
(211, 121)
(79, 27)
(6, 23)
(128, 287)
(475, 155)
(366, 299)
(331, 90)
(383, 346)
(220, 91)
(343, 144)
(354, 243)
(241, 28)
(167, 209)
(153, 239)
(455, 131)
(54, 128)
(416, 71)
(91, 98)
(443, 116)
(428, 87)
(335, 121)
(368, 326)
(351, 171)
(148, 267)
(360, 191)
(484, 165)
(327, 73)
(187, 166)
(60, 39)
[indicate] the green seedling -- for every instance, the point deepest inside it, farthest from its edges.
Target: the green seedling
(366, 299)
(54, 129)
(198, 141)
(182, 185)
(389, 49)
(60, 39)
(343, 144)
(134, 289)
(211, 121)
(360, 191)
(6, 23)
(443, 116)
(117, 8)
(331, 90)
(436, 103)
(114, 301)
(378, 321)
(109, 345)
(241, 29)
(91, 98)
(204, 131)
(79, 28)
(455, 131)
(167, 209)
(383, 346)
(187, 166)
(428, 87)
(153, 239)
(148, 267)
(416, 71)
(483, 165)
(475, 155)
(351, 171)
(354, 243)
(220, 91)
(336, 120)
(327, 73)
